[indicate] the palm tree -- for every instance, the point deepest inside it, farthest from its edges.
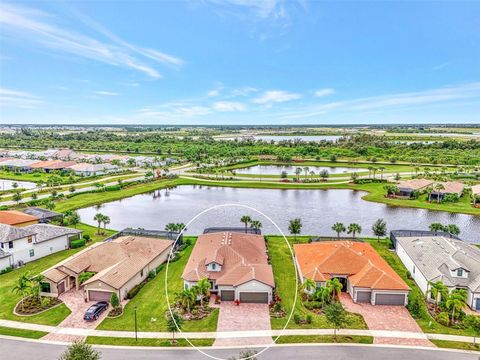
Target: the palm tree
(335, 286)
(203, 286)
(338, 227)
(246, 220)
(256, 224)
(99, 219)
(298, 171)
(306, 169)
(171, 227)
(354, 229)
(36, 285)
(437, 188)
(73, 219)
(436, 289)
(370, 168)
(436, 227)
(105, 220)
(382, 169)
(187, 298)
(295, 227)
(308, 285)
(456, 301)
(23, 286)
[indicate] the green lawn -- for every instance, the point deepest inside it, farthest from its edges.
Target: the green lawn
(101, 340)
(7, 282)
(456, 345)
(427, 323)
(284, 273)
(294, 339)
(30, 334)
(151, 303)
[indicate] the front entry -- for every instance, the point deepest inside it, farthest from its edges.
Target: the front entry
(477, 304)
(343, 281)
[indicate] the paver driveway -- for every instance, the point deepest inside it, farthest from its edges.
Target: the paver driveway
(244, 317)
(383, 317)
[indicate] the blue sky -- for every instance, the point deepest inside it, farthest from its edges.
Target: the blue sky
(239, 62)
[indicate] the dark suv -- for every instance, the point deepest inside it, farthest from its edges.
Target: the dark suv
(94, 311)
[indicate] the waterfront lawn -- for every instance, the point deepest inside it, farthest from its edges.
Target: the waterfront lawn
(294, 339)
(426, 322)
(30, 334)
(101, 340)
(284, 274)
(151, 303)
(9, 299)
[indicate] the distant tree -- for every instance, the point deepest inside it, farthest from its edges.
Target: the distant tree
(256, 224)
(34, 196)
(338, 227)
(336, 316)
(379, 228)
(99, 219)
(473, 322)
(295, 227)
(79, 350)
(456, 301)
(50, 205)
(246, 220)
(73, 219)
(452, 229)
(15, 185)
(106, 221)
(324, 174)
(436, 227)
(354, 229)
(17, 197)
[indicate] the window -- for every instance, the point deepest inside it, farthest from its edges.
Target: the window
(32, 253)
(10, 244)
(30, 239)
(141, 273)
(45, 287)
(214, 266)
(460, 272)
(414, 269)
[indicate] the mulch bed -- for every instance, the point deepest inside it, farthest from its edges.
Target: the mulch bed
(115, 312)
(196, 313)
(32, 305)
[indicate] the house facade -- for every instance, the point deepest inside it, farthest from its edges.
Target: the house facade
(236, 265)
(431, 257)
(407, 188)
(361, 270)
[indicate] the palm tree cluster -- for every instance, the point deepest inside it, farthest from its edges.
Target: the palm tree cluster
(452, 302)
(100, 218)
(28, 286)
(188, 298)
(353, 229)
(254, 224)
(175, 227)
(449, 228)
(323, 295)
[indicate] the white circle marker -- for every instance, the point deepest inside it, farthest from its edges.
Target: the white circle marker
(294, 265)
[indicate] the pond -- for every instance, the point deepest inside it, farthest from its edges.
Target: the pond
(277, 169)
(8, 184)
(318, 209)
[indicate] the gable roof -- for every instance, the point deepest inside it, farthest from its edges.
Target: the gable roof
(359, 261)
(41, 213)
(13, 217)
(243, 258)
(414, 184)
(436, 256)
(476, 189)
(450, 187)
(47, 232)
(10, 233)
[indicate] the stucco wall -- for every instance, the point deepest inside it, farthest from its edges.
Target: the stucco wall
(416, 274)
(253, 286)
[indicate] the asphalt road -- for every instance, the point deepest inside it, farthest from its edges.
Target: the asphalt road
(25, 350)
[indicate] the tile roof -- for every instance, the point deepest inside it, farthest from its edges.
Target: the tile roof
(44, 164)
(359, 261)
(436, 256)
(13, 217)
(243, 258)
(41, 213)
(47, 232)
(415, 184)
(451, 187)
(10, 233)
(476, 189)
(117, 261)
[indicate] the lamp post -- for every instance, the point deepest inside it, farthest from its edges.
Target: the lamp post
(135, 317)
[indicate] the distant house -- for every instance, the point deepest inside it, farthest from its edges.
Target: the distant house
(476, 194)
(362, 271)
(43, 215)
(32, 242)
(451, 187)
(65, 154)
(17, 218)
(407, 188)
(119, 265)
(18, 164)
(84, 169)
(51, 165)
(431, 257)
(236, 264)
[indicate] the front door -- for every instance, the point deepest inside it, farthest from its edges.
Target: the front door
(61, 287)
(477, 304)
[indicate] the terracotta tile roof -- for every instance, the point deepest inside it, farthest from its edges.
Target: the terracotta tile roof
(415, 184)
(13, 217)
(359, 261)
(117, 261)
(54, 274)
(243, 256)
(476, 189)
(451, 187)
(43, 164)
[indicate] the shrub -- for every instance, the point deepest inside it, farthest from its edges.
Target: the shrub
(84, 276)
(113, 188)
(442, 318)
(309, 319)
(87, 237)
(80, 350)
(114, 300)
(297, 319)
(134, 291)
(6, 270)
(151, 275)
(74, 244)
(311, 305)
(159, 268)
(416, 304)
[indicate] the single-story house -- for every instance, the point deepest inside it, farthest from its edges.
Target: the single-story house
(406, 188)
(32, 242)
(18, 164)
(65, 154)
(17, 218)
(118, 266)
(236, 265)
(365, 275)
(84, 169)
(450, 187)
(431, 257)
(43, 215)
(50, 165)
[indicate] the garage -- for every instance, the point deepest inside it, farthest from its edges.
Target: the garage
(227, 295)
(94, 295)
(364, 296)
(254, 297)
(390, 299)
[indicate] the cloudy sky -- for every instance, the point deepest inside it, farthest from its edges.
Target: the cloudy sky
(239, 62)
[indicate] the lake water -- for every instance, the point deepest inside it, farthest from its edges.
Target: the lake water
(277, 169)
(316, 138)
(318, 209)
(8, 184)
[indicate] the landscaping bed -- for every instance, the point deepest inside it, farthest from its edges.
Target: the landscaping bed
(33, 305)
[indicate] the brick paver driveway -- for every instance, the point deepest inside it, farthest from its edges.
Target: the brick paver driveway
(245, 317)
(383, 317)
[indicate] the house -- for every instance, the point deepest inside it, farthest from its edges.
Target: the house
(32, 242)
(450, 187)
(431, 257)
(236, 264)
(476, 194)
(118, 266)
(84, 169)
(18, 164)
(362, 271)
(51, 165)
(65, 154)
(407, 188)
(17, 218)
(43, 215)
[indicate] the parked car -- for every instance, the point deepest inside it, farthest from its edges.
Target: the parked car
(94, 311)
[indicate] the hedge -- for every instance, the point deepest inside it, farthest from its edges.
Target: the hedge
(77, 243)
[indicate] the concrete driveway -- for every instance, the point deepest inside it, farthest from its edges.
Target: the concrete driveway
(383, 317)
(244, 317)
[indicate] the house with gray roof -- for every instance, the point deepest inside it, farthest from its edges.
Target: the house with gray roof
(431, 257)
(19, 245)
(43, 215)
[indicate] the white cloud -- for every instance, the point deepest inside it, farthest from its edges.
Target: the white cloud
(275, 96)
(324, 92)
(105, 93)
(261, 8)
(18, 99)
(243, 91)
(215, 91)
(29, 24)
(228, 106)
